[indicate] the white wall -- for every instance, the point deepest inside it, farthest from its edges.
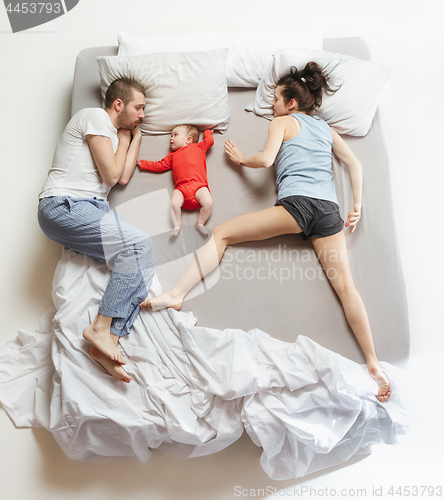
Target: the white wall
(35, 87)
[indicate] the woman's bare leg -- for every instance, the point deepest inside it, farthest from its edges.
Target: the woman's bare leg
(332, 254)
(260, 225)
(176, 203)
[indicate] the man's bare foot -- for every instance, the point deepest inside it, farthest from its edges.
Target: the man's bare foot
(101, 338)
(202, 229)
(163, 301)
(112, 367)
(175, 231)
(383, 382)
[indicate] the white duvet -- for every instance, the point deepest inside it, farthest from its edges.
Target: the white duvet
(194, 389)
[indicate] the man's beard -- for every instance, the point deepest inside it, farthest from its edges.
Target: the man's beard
(124, 121)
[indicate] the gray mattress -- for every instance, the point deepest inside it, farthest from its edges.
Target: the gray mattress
(250, 292)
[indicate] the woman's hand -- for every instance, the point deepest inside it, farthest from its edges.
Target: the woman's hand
(234, 153)
(353, 217)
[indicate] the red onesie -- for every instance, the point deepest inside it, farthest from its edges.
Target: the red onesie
(189, 168)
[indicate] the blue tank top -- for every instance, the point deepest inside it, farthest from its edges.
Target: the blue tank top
(303, 163)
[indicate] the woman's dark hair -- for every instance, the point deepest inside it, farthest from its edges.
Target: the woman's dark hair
(306, 86)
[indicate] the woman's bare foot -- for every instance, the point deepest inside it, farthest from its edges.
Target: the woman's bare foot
(381, 379)
(99, 335)
(112, 367)
(163, 301)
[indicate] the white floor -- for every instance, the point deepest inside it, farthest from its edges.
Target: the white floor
(35, 86)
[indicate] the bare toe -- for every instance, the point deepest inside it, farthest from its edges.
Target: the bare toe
(384, 391)
(164, 301)
(112, 367)
(382, 381)
(103, 341)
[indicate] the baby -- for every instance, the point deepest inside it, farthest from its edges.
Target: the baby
(187, 161)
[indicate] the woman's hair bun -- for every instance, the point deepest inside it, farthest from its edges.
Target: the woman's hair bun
(306, 86)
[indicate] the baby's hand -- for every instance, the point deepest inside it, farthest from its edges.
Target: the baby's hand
(138, 162)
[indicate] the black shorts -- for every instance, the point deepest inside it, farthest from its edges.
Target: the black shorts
(317, 218)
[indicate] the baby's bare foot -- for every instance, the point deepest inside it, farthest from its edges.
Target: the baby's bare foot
(163, 301)
(175, 231)
(202, 229)
(382, 381)
(102, 339)
(112, 367)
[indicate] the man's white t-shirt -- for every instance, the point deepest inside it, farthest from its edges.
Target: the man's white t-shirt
(73, 172)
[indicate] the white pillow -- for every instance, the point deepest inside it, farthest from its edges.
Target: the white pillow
(248, 53)
(351, 109)
(188, 87)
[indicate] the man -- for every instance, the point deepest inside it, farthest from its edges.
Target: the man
(97, 150)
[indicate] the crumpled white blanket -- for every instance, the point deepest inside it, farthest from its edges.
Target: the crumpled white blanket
(194, 389)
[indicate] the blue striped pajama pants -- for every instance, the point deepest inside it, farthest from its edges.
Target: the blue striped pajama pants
(89, 227)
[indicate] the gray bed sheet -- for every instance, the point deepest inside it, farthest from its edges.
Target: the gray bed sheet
(277, 285)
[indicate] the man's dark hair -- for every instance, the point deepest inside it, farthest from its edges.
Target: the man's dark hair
(122, 88)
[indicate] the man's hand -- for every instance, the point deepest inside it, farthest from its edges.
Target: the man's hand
(133, 138)
(124, 135)
(137, 133)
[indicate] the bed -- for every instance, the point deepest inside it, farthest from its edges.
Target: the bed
(373, 247)
(196, 389)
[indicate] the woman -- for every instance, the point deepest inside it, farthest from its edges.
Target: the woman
(301, 148)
